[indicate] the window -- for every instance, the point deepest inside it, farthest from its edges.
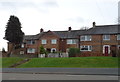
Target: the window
(21, 52)
(86, 38)
(67, 50)
(118, 37)
(44, 42)
(22, 45)
(53, 50)
(53, 41)
(30, 50)
(106, 37)
(31, 42)
(86, 48)
(118, 46)
(71, 41)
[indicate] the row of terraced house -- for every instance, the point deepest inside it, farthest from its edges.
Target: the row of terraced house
(100, 40)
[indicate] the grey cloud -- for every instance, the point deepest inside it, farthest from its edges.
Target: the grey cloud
(41, 6)
(51, 4)
(77, 19)
(15, 5)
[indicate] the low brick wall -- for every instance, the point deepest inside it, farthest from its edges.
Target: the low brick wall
(25, 55)
(90, 54)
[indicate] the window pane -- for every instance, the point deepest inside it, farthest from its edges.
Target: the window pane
(82, 38)
(118, 37)
(74, 41)
(30, 50)
(43, 41)
(31, 42)
(85, 38)
(106, 37)
(69, 41)
(53, 41)
(88, 38)
(86, 48)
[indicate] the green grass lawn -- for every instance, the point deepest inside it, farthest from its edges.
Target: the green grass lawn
(80, 62)
(6, 62)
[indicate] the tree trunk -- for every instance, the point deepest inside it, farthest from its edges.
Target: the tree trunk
(11, 50)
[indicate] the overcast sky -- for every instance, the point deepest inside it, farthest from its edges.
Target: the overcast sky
(56, 14)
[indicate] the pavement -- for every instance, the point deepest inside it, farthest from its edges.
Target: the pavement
(70, 71)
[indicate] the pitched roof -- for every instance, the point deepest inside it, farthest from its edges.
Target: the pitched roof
(69, 34)
(32, 37)
(104, 29)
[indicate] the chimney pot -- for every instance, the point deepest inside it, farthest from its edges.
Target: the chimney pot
(69, 29)
(94, 24)
(41, 30)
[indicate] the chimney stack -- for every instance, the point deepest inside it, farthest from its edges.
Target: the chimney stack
(41, 30)
(69, 28)
(94, 24)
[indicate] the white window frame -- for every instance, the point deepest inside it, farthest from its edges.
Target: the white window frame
(22, 45)
(89, 47)
(30, 50)
(118, 37)
(86, 38)
(105, 37)
(43, 41)
(118, 46)
(54, 41)
(21, 52)
(104, 49)
(67, 50)
(53, 49)
(71, 41)
(30, 42)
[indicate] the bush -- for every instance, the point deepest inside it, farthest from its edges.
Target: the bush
(118, 53)
(42, 50)
(73, 52)
(113, 53)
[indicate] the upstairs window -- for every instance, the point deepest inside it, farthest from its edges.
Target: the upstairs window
(106, 37)
(86, 38)
(53, 41)
(22, 46)
(30, 50)
(86, 48)
(44, 42)
(71, 41)
(31, 42)
(118, 37)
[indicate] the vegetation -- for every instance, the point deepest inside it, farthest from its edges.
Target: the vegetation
(73, 52)
(13, 32)
(3, 50)
(80, 62)
(6, 62)
(42, 50)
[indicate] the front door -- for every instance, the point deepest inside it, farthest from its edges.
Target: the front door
(106, 50)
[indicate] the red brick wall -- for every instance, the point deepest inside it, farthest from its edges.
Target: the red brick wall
(49, 36)
(98, 42)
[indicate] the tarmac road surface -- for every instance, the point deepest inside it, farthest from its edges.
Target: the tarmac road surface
(21, 76)
(76, 71)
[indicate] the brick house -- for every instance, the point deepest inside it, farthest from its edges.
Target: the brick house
(99, 40)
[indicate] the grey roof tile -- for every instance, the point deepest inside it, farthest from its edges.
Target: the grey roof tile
(103, 29)
(106, 29)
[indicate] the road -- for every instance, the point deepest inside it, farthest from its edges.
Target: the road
(77, 71)
(21, 76)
